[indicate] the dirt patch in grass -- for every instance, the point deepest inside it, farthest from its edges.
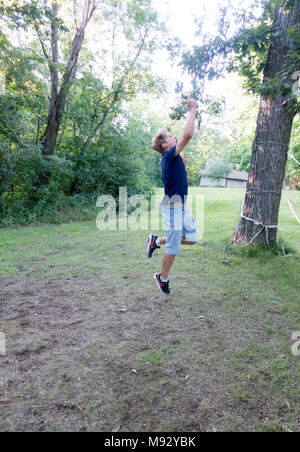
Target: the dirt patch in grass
(95, 353)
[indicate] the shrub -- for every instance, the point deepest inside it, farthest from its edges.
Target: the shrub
(217, 169)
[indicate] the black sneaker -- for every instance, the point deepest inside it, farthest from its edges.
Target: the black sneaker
(152, 244)
(163, 286)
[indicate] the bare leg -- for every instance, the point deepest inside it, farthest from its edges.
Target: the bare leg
(168, 259)
(186, 242)
(163, 240)
(166, 265)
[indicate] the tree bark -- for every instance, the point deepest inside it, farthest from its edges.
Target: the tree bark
(49, 137)
(259, 218)
(59, 96)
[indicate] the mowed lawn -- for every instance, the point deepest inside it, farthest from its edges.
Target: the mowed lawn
(92, 345)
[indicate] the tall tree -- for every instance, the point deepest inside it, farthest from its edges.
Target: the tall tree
(58, 95)
(259, 221)
(266, 52)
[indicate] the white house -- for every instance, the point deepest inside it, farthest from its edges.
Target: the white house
(235, 179)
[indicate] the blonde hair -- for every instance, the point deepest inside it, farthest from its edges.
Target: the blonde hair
(158, 140)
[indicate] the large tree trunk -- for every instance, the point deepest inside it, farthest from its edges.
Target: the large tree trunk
(49, 137)
(259, 219)
(58, 98)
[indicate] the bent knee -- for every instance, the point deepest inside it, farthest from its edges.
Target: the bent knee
(188, 242)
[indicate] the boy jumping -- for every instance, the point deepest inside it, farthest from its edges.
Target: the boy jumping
(177, 217)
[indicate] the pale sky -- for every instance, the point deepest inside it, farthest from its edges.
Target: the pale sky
(180, 17)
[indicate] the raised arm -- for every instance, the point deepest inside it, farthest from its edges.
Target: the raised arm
(189, 128)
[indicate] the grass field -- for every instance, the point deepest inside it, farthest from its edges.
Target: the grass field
(92, 345)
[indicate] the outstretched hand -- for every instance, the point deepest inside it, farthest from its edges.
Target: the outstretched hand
(192, 104)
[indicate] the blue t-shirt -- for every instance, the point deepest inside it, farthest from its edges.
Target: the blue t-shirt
(174, 174)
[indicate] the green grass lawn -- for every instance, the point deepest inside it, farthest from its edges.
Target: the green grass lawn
(92, 344)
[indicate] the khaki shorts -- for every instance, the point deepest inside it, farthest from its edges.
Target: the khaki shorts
(178, 221)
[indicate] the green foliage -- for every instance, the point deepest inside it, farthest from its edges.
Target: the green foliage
(118, 159)
(113, 161)
(19, 14)
(25, 93)
(100, 146)
(240, 153)
(293, 169)
(22, 197)
(217, 168)
(206, 104)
